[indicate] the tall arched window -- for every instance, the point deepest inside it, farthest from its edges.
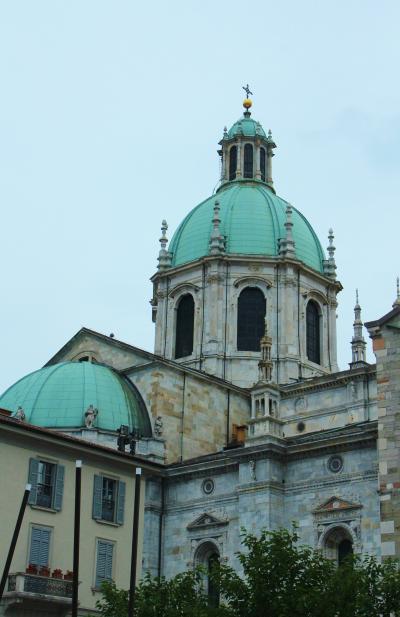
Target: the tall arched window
(313, 332)
(232, 162)
(248, 161)
(251, 316)
(262, 163)
(208, 556)
(184, 327)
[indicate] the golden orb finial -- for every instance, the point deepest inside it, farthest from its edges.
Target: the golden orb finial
(247, 103)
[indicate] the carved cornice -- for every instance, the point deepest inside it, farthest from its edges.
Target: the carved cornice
(253, 280)
(183, 288)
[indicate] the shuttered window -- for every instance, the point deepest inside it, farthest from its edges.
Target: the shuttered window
(251, 316)
(47, 481)
(108, 500)
(104, 561)
(40, 546)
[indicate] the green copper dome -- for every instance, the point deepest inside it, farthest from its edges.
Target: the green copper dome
(57, 397)
(246, 126)
(252, 221)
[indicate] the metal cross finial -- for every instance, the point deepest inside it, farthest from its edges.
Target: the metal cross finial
(247, 90)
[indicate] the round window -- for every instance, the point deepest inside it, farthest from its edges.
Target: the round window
(301, 427)
(335, 463)
(208, 486)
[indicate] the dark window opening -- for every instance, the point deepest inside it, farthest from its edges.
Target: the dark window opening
(262, 163)
(313, 332)
(108, 500)
(212, 588)
(248, 161)
(232, 162)
(345, 549)
(184, 327)
(251, 316)
(45, 484)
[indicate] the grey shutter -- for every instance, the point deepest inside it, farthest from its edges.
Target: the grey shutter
(121, 503)
(97, 497)
(109, 560)
(40, 544)
(32, 479)
(104, 561)
(58, 487)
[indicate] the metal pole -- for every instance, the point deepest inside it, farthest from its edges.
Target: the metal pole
(77, 524)
(14, 539)
(135, 533)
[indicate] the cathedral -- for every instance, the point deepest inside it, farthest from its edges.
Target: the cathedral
(242, 403)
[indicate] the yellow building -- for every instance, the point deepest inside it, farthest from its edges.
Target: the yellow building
(38, 582)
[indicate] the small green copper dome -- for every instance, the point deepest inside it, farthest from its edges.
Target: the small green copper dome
(246, 126)
(57, 397)
(252, 221)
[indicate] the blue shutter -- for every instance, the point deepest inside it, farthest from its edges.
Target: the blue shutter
(97, 497)
(121, 503)
(32, 479)
(104, 561)
(58, 487)
(40, 546)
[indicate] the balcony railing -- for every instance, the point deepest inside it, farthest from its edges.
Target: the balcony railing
(43, 585)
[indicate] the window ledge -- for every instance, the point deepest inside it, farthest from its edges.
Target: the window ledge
(110, 523)
(43, 508)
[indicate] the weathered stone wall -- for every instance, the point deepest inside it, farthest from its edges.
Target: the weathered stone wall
(386, 344)
(194, 409)
(257, 490)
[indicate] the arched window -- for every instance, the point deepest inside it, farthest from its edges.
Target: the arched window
(208, 556)
(313, 332)
(184, 327)
(262, 163)
(248, 161)
(338, 545)
(251, 316)
(232, 162)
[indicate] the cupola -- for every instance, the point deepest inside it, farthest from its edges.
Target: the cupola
(246, 150)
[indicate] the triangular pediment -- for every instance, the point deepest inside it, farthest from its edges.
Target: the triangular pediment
(206, 520)
(336, 504)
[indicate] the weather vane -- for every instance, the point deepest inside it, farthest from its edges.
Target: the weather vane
(247, 90)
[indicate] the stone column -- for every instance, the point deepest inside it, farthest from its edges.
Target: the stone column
(258, 167)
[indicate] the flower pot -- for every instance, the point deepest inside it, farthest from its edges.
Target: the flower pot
(57, 573)
(44, 571)
(31, 569)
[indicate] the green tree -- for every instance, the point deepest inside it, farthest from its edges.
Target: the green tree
(180, 596)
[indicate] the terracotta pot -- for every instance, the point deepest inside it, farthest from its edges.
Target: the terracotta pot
(57, 573)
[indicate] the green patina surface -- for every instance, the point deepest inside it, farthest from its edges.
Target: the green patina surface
(247, 127)
(58, 396)
(252, 220)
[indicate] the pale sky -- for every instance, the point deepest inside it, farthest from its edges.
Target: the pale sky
(110, 117)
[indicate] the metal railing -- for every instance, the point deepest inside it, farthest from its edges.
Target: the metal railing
(43, 585)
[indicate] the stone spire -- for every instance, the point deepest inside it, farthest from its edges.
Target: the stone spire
(286, 246)
(164, 256)
(330, 264)
(265, 364)
(217, 242)
(358, 343)
(397, 301)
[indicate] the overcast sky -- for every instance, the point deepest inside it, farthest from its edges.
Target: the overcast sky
(110, 116)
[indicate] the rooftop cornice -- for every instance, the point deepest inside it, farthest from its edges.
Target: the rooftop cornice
(50, 436)
(277, 261)
(331, 380)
